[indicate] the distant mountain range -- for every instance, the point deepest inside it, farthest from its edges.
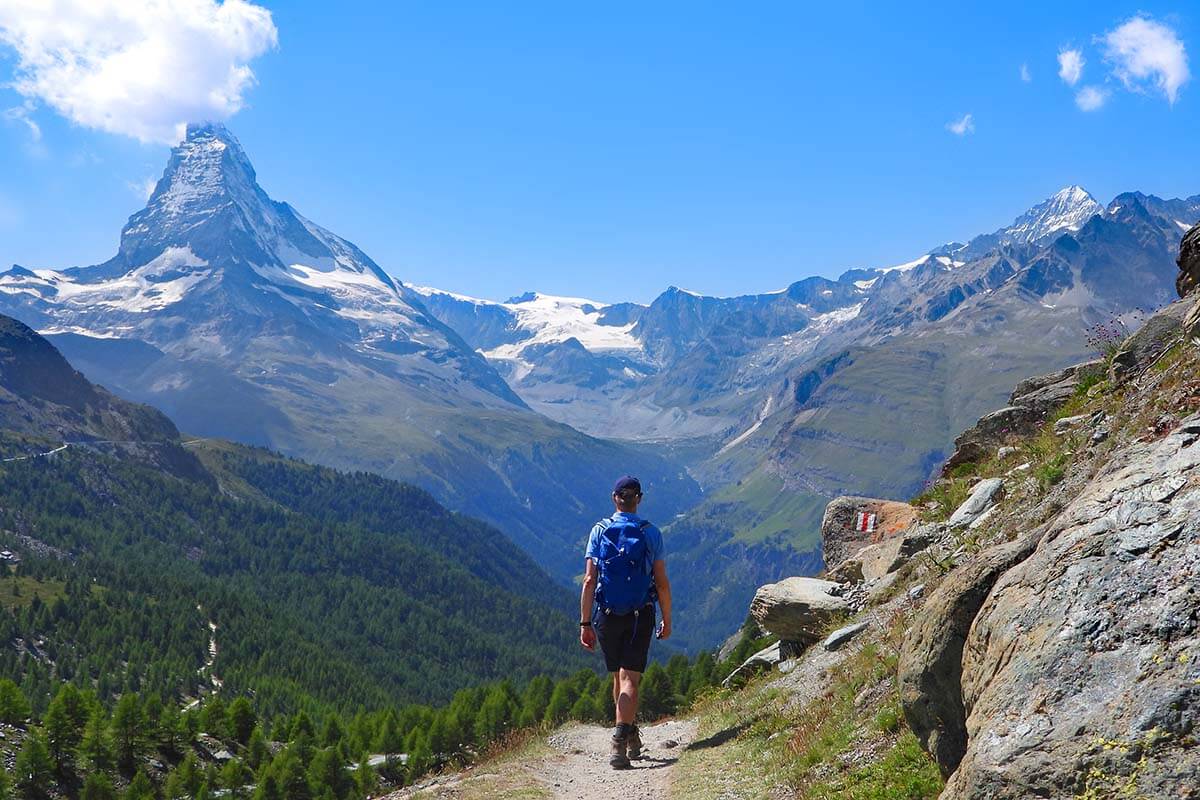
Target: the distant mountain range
(780, 401)
(240, 318)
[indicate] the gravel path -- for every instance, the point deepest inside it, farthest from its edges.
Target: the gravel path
(582, 770)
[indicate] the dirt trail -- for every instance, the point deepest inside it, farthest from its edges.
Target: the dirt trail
(580, 769)
(571, 765)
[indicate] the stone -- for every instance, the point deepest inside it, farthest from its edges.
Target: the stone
(843, 635)
(1144, 347)
(1031, 402)
(1067, 424)
(839, 539)
(877, 560)
(849, 571)
(1093, 638)
(766, 658)
(1191, 322)
(1189, 262)
(982, 497)
(930, 667)
(797, 609)
(1005, 452)
(915, 592)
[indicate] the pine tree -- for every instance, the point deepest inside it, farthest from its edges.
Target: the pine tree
(241, 720)
(95, 753)
(34, 770)
(140, 788)
(98, 786)
(257, 750)
(128, 731)
(14, 707)
(559, 707)
(212, 718)
(64, 722)
(328, 771)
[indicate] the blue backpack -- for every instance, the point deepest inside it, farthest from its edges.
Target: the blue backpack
(626, 572)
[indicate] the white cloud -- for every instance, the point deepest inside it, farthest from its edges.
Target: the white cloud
(22, 114)
(1070, 66)
(962, 126)
(143, 188)
(1025, 74)
(1144, 52)
(1091, 98)
(142, 68)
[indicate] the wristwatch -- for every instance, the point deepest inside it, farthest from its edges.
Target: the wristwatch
(585, 623)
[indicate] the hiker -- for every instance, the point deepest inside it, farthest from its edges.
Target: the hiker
(624, 575)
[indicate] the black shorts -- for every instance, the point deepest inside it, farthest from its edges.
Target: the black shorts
(625, 639)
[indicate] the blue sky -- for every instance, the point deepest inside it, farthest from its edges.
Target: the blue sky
(608, 153)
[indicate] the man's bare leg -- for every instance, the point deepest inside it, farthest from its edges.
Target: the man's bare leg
(627, 697)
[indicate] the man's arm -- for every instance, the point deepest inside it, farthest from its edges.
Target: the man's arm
(587, 598)
(663, 586)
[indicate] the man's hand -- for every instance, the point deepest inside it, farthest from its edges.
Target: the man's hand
(664, 629)
(587, 637)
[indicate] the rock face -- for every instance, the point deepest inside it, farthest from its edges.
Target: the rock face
(797, 609)
(1189, 262)
(1030, 404)
(930, 669)
(840, 539)
(1083, 660)
(878, 560)
(1141, 349)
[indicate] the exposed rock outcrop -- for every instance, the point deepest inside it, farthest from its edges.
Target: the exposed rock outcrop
(1085, 657)
(1143, 348)
(797, 609)
(930, 670)
(1028, 408)
(982, 497)
(1189, 262)
(839, 537)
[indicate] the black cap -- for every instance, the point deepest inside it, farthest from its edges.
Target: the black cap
(627, 482)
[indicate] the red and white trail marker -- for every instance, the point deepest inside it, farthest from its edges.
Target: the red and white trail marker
(864, 522)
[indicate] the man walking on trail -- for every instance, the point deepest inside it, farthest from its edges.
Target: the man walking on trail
(624, 575)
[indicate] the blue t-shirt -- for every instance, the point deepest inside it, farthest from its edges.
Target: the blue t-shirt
(654, 539)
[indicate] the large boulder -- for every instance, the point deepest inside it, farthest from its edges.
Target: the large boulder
(1150, 341)
(930, 668)
(1031, 403)
(797, 609)
(1081, 671)
(841, 536)
(1189, 262)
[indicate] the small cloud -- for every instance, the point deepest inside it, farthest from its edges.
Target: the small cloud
(1070, 66)
(1091, 98)
(1025, 74)
(1145, 53)
(141, 68)
(23, 114)
(962, 126)
(143, 188)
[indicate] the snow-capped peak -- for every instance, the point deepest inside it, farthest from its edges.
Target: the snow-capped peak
(1067, 210)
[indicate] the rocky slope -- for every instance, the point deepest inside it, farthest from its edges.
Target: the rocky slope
(240, 318)
(1035, 610)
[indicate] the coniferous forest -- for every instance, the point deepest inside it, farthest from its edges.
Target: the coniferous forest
(246, 623)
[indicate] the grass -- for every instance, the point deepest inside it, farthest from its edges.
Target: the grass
(813, 749)
(503, 776)
(18, 591)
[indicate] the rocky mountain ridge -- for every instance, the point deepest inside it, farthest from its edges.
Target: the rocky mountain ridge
(240, 318)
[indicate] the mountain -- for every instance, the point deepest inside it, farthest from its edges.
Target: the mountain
(240, 318)
(780, 401)
(322, 589)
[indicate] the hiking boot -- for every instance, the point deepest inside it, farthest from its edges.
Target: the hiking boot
(633, 744)
(618, 759)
